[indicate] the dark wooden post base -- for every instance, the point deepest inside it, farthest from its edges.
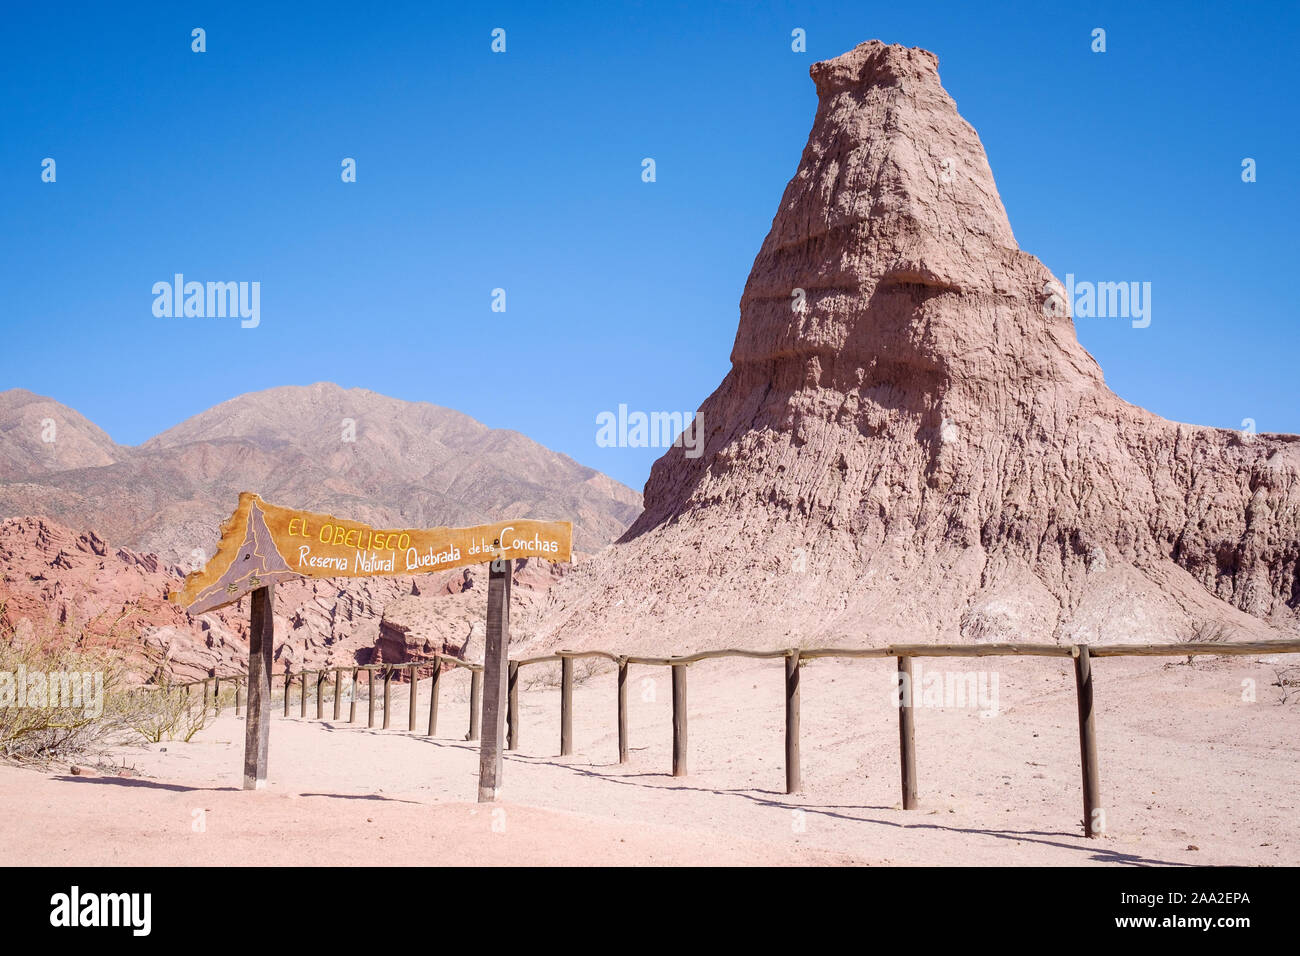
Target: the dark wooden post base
(907, 731)
(679, 720)
(1094, 817)
(257, 727)
(792, 722)
(495, 681)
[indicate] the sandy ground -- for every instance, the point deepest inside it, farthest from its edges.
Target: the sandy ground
(1185, 762)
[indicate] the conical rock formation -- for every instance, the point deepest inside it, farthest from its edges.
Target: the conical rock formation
(911, 444)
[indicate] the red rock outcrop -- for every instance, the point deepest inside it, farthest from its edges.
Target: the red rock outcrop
(912, 445)
(55, 582)
(450, 618)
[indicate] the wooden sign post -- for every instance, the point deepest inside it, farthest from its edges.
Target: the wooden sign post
(263, 543)
(495, 672)
(257, 727)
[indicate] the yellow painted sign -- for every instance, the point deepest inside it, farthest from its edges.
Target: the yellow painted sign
(263, 543)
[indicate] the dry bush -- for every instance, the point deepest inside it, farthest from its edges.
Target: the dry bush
(35, 728)
(551, 675)
(1208, 632)
(1288, 681)
(165, 713)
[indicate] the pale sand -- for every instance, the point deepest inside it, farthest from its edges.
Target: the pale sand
(1183, 761)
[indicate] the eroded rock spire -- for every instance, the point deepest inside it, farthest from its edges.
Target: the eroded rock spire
(912, 445)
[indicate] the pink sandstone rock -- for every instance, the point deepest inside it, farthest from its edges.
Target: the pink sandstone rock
(924, 451)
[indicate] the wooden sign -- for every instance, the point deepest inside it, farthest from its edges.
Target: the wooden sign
(263, 544)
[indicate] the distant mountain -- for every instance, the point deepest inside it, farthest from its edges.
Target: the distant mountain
(321, 447)
(38, 436)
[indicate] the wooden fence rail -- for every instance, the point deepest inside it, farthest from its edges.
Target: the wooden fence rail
(794, 658)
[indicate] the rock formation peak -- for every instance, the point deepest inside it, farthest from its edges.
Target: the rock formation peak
(911, 443)
(893, 206)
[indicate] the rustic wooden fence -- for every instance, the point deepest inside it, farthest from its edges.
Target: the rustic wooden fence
(794, 658)
(321, 678)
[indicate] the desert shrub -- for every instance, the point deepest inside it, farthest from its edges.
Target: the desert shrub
(1207, 632)
(551, 675)
(1288, 682)
(58, 697)
(1211, 632)
(166, 713)
(84, 701)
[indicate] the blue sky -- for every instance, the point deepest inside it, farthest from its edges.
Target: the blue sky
(522, 171)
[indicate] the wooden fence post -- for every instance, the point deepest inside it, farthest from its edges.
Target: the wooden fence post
(320, 695)
(388, 695)
(566, 706)
(792, 721)
(415, 683)
(907, 732)
(1094, 817)
(352, 703)
(302, 703)
(287, 685)
(622, 710)
(257, 727)
(679, 720)
(512, 707)
(216, 696)
(433, 695)
(338, 692)
(475, 695)
(496, 677)
(239, 686)
(207, 696)
(370, 696)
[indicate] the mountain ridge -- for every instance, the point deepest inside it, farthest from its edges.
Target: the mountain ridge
(320, 447)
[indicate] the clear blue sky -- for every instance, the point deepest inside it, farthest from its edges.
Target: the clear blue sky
(523, 171)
